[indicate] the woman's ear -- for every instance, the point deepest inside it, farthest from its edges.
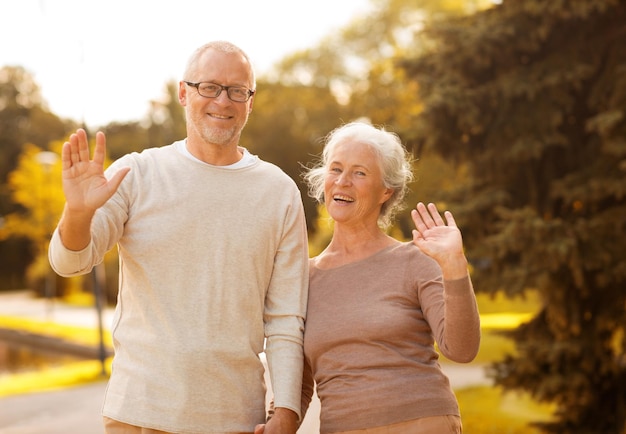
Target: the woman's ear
(387, 195)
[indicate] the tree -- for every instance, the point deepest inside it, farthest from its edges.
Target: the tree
(36, 188)
(24, 118)
(531, 95)
(164, 124)
(167, 118)
(357, 65)
(286, 127)
(37, 194)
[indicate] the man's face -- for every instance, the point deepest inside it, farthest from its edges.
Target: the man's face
(217, 120)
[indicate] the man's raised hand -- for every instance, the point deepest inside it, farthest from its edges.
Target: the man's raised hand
(84, 184)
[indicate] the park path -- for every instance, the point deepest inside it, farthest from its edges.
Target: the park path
(77, 409)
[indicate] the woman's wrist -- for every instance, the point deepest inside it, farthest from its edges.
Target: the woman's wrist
(454, 267)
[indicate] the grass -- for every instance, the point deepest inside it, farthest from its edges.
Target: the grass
(53, 378)
(82, 335)
(489, 410)
(59, 376)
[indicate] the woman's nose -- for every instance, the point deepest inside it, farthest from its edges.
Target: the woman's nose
(343, 179)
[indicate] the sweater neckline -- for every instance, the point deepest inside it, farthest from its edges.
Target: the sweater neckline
(371, 257)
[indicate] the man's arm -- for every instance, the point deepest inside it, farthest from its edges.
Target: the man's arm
(85, 187)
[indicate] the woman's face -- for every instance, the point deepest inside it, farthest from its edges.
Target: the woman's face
(353, 187)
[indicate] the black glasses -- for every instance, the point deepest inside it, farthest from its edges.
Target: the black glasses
(213, 90)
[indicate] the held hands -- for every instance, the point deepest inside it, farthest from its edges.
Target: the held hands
(84, 184)
(284, 421)
(440, 241)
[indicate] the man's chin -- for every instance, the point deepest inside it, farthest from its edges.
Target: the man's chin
(219, 136)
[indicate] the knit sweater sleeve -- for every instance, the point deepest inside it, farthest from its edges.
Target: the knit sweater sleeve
(453, 317)
(110, 221)
(285, 309)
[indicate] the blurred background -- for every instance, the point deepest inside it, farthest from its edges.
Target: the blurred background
(514, 111)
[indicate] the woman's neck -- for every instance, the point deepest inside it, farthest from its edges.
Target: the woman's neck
(347, 246)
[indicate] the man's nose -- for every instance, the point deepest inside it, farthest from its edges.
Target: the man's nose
(223, 96)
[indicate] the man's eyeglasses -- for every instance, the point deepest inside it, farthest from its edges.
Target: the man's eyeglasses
(213, 90)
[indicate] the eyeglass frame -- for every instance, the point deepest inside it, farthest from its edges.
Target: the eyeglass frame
(222, 88)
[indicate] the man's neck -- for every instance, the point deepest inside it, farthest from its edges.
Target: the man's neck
(216, 155)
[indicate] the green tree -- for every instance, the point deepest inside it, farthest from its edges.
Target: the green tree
(24, 118)
(167, 118)
(286, 127)
(531, 95)
(36, 189)
(357, 64)
(124, 138)
(37, 194)
(164, 124)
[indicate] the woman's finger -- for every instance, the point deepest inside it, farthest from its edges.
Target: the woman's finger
(450, 219)
(434, 213)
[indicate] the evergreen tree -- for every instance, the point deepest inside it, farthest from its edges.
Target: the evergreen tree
(531, 95)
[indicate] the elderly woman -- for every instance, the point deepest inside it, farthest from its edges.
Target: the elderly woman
(377, 305)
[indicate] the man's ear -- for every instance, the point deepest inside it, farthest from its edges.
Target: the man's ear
(182, 93)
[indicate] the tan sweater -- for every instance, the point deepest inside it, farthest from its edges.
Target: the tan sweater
(369, 339)
(212, 261)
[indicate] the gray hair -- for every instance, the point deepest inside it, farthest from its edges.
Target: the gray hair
(395, 164)
(224, 47)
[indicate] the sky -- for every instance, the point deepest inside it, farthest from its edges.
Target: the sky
(101, 61)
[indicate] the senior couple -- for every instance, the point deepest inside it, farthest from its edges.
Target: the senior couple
(214, 270)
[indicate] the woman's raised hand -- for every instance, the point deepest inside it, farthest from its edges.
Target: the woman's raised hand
(440, 240)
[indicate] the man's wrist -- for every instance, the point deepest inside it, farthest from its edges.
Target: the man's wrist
(286, 416)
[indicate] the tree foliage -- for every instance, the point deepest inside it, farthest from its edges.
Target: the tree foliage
(287, 126)
(164, 124)
(356, 65)
(36, 187)
(531, 95)
(167, 118)
(24, 118)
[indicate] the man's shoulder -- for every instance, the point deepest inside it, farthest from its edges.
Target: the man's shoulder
(273, 169)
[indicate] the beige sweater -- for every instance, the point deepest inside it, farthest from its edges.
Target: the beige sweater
(212, 261)
(369, 339)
